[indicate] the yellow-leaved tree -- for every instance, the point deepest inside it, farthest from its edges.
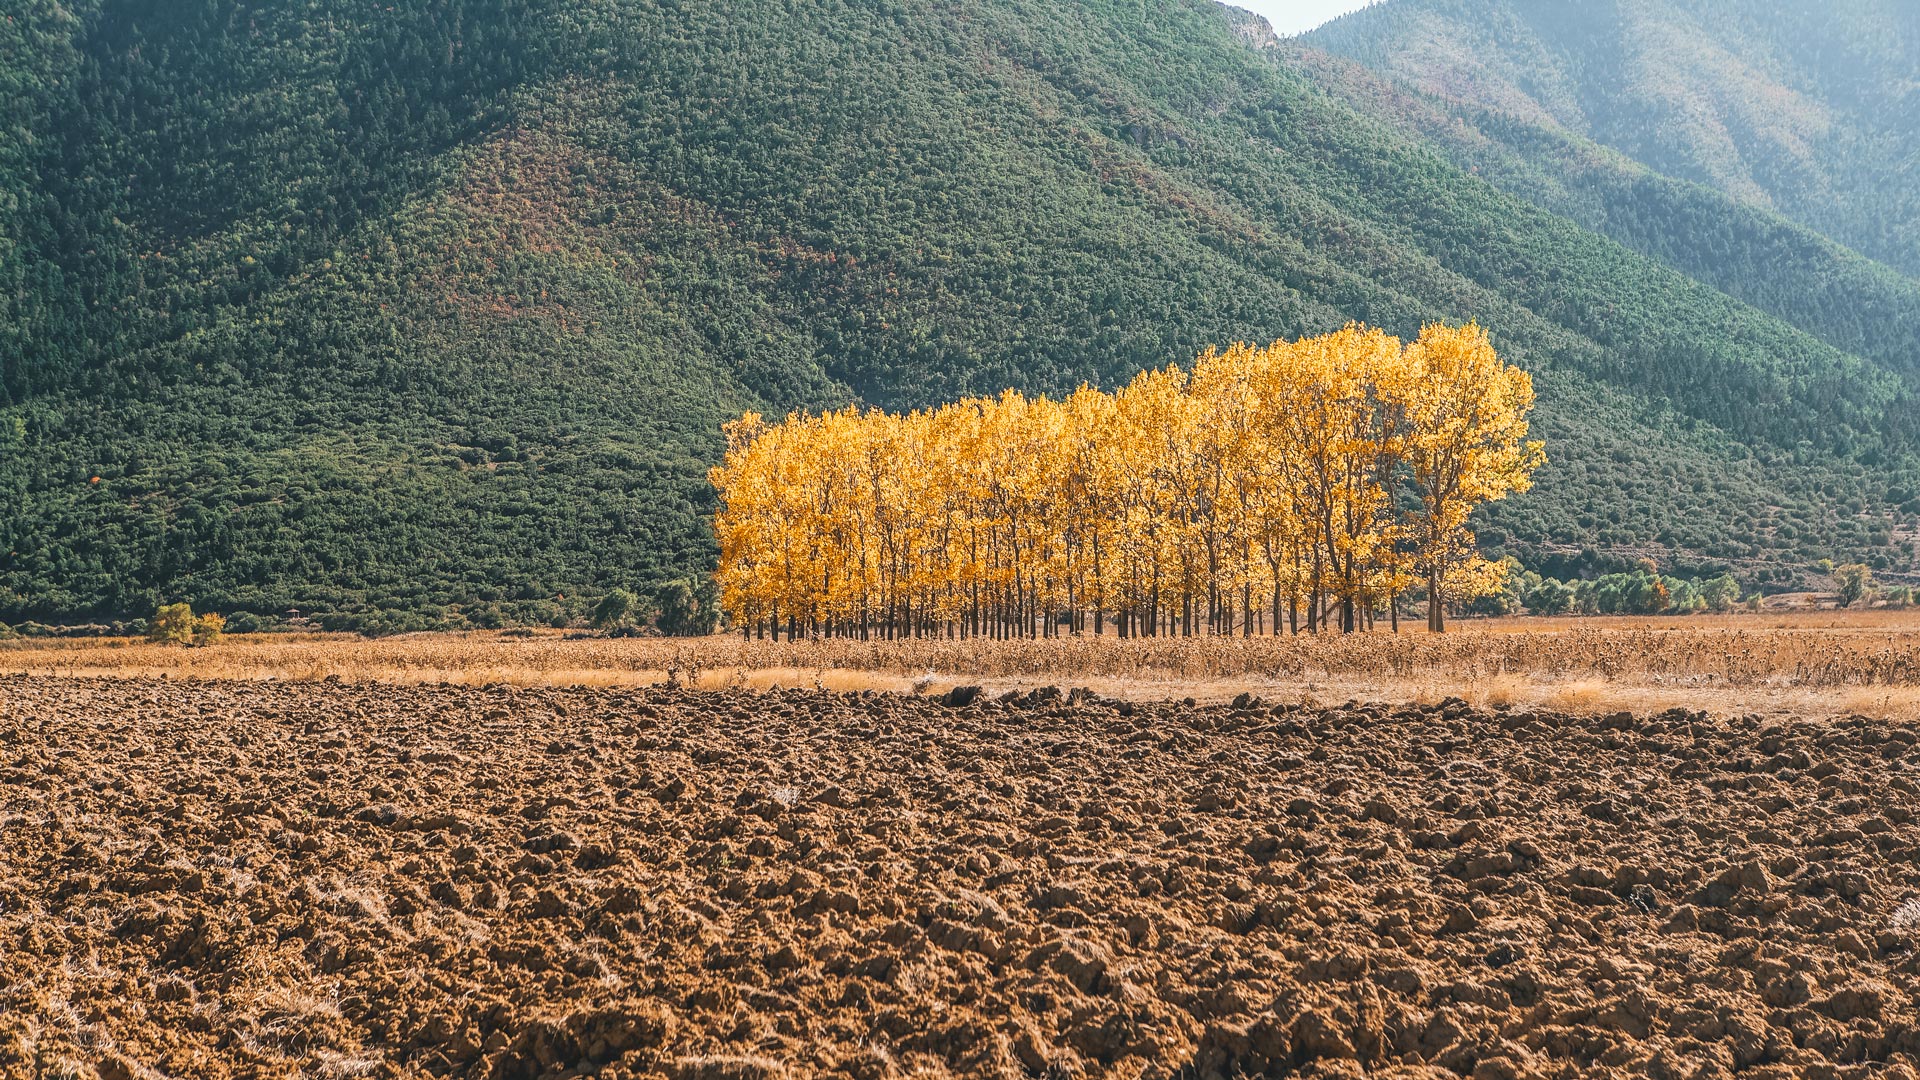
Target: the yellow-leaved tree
(176, 624)
(1218, 501)
(1465, 416)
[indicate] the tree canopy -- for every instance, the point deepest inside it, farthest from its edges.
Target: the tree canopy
(1217, 501)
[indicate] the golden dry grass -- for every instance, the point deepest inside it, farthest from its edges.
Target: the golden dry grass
(1831, 662)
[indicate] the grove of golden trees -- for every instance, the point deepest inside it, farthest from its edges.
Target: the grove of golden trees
(1313, 481)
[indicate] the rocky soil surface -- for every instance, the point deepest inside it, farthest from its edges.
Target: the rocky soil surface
(206, 880)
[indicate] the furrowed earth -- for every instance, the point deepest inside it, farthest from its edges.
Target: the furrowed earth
(257, 879)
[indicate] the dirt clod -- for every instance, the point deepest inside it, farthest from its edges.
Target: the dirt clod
(227, 879)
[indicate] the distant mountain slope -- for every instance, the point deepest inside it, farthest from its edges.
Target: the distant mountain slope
(430, 311)
(1812, 110)
(1754, 255)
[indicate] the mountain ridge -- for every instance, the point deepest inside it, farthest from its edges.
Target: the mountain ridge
(1812, 113)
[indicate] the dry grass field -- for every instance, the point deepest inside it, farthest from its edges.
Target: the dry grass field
(1807, 662)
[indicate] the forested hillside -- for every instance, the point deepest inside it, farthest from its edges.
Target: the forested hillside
(1757, 256)
(1812, 110)
(431, 311)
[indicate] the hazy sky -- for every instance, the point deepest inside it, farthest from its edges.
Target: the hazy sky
(1296, 16)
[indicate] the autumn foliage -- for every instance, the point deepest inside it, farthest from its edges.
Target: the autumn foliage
(1303, 484)
(176, 624)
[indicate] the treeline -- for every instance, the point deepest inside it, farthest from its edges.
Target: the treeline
(1640, 592)
(1304, 483)
(1648, 592)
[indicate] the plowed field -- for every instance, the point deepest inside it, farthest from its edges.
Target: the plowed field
(259, 879)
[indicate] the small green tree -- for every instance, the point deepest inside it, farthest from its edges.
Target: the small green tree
(1855, 581)
(1683, 595)
(617, 610)
(687, 608)
(1720, 593)
(1638, 593)
(1551, 597)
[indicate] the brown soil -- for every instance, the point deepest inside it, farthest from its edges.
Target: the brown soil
(265, 880)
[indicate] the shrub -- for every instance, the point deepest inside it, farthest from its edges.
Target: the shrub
(1683, 597)
(171, 625)
(1721, 593)
(1855, 581)
(1550, 597)
(617, 610)
(1638, 593)
(175, 624)
(687, 608)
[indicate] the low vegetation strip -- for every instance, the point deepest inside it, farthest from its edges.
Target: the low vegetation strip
(249, 879)
(1840, 649)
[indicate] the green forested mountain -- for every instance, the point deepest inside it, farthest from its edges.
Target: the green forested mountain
(1754, 255)
(429, 311)
(1812, 110)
